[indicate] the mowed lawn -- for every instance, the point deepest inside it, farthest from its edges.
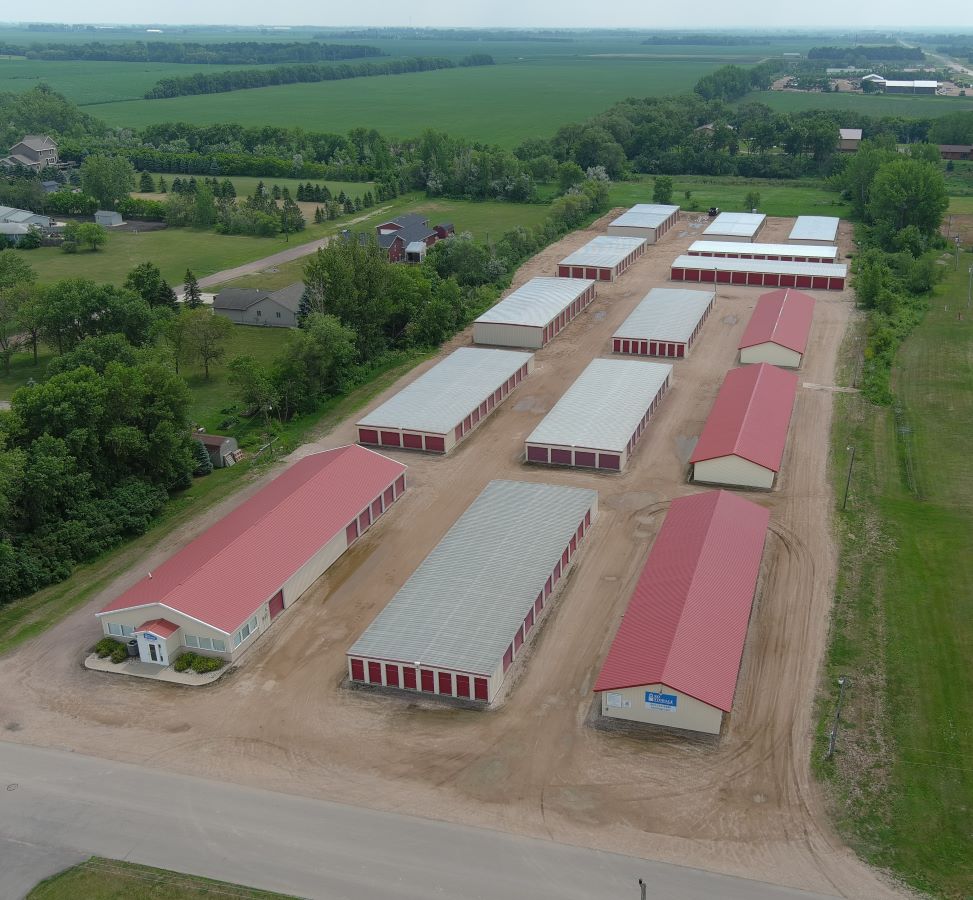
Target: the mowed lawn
(501, 104)
(909, 107)
(904, 616)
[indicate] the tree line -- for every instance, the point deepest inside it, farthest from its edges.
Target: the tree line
(849, 56)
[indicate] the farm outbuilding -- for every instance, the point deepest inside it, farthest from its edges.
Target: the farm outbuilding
(742, 443)
(760, 272)
(645, 220)
(666, 323)
(815, 230)
(784, 252)
(676, 656)
(445, 404)
(778, 330)
(456, 626)
(229, 584)
(733, 226)
(108, 218)
(534, 313)
(603, 258)
(600, 418)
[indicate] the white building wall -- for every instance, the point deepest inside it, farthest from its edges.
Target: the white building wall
(772, 353)
(505, 335)
(689, 713)
(632, 231)
(734, 471)
(314, 568)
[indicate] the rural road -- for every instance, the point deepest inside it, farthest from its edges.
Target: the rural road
(56, 808)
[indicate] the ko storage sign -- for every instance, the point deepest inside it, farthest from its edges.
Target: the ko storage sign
(660, 701)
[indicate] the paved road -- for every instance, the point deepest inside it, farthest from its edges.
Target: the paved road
(58, 807)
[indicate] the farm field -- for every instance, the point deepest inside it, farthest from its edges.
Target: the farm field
(904, 615)
(866, 104)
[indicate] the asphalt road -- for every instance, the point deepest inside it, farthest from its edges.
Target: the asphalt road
(57, 808)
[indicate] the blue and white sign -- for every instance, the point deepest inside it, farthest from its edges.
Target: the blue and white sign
(660, 701)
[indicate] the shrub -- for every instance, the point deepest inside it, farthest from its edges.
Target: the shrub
(107, 646)
(69, 246)
(119, 654)
(197, 663)
(183, 661)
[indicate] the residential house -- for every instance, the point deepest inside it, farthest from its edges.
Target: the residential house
(35, 151)
(400, 238)
(12, 233)
(956, 151)
(253, 306)
(849, 139)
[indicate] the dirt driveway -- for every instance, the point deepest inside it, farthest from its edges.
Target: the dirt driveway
(745, 806)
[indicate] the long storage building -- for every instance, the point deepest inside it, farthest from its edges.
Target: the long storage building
(534, 313)
(442, 406)
(600, 418)
(778, 330)
(456, 626)
(733, 226)
(760, 272)
(676, 657)
(787, 252)
(645, 220)
(229, 584)
(814, 230)
(666, 323)
(742, 443)
(603, 258)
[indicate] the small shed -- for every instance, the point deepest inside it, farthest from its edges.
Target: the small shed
(223, 451)
(778, 330)
(645, 220)
(734, 226)
(109, 218)
(666, 323)
(603, 258)
(850, 139)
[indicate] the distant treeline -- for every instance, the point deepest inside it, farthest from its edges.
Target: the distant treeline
(245, 79)
(237, 53)
(440, 34)
(848, 56)
(730, 83)
(704, 40)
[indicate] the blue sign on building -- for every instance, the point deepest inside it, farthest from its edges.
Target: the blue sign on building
(660, 701)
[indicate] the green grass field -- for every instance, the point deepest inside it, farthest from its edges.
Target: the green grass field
(867, 104)
(903, 627)
(109, 879)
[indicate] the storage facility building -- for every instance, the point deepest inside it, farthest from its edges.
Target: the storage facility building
(534, 313)
(787, 252)
(229, 584)
(760, 272)
(600, 418)
(456, 626)
(814, 230)
(676, 657)
(778, 330)
(445, 404)
(666, 323)
(645, 220)
(742, 443)
(603, 258)
(733, 226)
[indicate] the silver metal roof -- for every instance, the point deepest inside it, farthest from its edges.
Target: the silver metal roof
(606, 250)
(667, 314)
(733, 223)
(440, 398)
(461, 607)
(815, 228)
(604, 406)
(645, 215)
(537, 302)
(707, 248)
(722, 264)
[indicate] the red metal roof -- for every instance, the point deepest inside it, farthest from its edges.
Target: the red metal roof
(750, 417)
(687, 620)
(780, 317)
(161, 627)
(223, 576)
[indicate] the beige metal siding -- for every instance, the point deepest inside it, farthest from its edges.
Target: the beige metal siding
(771, 353)
(734, 471)
(314, 568)
(690, 714)
(501, 335)
(632, 231)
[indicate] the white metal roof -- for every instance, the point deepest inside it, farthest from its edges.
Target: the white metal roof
(815, 228)
(849, 134)
(605, 251)
(734, 223)
(537, 302)
(461, 607)
(646, 215)
(667, 314)
(721, 264)
(912, 84)
(708, 248)
(604, 406)
(440, 398)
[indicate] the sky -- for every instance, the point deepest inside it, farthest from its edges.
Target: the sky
(953, 15)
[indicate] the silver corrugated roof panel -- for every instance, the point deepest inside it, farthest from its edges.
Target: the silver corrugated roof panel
(707, 248)
(437, 400)
(668, 314)
(722, 264)
(460, 609)
(645, 215)
(604, 406)
(731, 223)
(537, 302)
(604, 251)
(815, 228)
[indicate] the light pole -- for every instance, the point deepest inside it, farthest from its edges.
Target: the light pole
(851, 463)
(969, 289)
(837, 715)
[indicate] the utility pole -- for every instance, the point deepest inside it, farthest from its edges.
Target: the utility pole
(837, 715)
(969, 289)
(851, 464)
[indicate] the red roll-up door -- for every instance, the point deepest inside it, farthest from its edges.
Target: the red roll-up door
(276, 605)
(616, 345)
(357, 670)
(364, 520)
(480, 689)
(435, 443)
(556, 577)
(604, 275)
(446, 683)
(428, 680)
(367, 436)
(518, 639)
(409, 678)
(644, 348)
(375, 673)
(391, 675)
(508, 657)
(462, 685)
(390, 438)
(412, 441)
(351, 532)
(537, 454)
(609, 461)
(376, 508)
(399, 485)
(680, 349)
(584, 458)
(754, 278)
(529, 621)
(538, 604)
(389, 496)
(561, 457)
(564, 557)
(563, 271)
(820, 282)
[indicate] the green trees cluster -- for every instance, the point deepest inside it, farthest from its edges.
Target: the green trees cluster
(107, 178)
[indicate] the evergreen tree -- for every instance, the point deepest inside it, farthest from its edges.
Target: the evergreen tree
(146, 184)
(163, 187)
(226, 189)
(275, 192)
(177, 186)
(192, 297)
(318, 215)
(204, 465)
